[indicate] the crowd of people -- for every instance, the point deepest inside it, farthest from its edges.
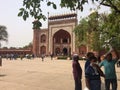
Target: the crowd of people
(93, 72)
(16, 56)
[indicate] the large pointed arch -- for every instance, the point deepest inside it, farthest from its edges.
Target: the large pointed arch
(62, 40)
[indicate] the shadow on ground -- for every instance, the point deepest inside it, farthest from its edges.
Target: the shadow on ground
(2, 75)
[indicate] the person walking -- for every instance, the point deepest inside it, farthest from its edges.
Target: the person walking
(0, 60)
(51, 55)
(92, 75)
(42, 57)
(77, 72)
(109, 69)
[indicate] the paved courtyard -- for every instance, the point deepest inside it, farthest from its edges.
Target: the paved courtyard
(37, 75)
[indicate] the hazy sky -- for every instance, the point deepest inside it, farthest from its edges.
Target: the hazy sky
(20, 31)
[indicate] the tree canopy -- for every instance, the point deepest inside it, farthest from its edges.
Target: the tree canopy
(33, 7)
(97, 30)
(3, 34)
(88, 32)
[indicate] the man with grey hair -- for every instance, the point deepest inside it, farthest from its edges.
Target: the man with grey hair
(77, 72)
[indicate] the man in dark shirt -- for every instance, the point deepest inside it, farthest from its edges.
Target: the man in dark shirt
(77, 72)
(92, 75)
(87, 63)
(89, 55)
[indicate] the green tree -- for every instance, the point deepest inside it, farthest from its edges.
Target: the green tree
(33, 7)
(96, 29)
(111, 29)
(3, 34)
(88, 32)
(79, 4)
(28, 46)
(80, 32)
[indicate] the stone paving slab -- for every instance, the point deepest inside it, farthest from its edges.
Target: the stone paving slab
(37, 75)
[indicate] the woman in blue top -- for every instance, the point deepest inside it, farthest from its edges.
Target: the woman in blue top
(109, 69)
(92, 74)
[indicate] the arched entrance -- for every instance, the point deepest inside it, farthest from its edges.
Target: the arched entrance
(82, 50)
(43, 50)
(65, 51)
(57, 51)
(61, 40)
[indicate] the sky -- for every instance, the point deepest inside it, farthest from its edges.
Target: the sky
(20, 32)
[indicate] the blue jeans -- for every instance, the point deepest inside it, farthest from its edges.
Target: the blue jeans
(95, 85)
(78, 84)
(111, 81)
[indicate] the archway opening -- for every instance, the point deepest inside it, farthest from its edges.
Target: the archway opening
(43, 50)
(82, 50)
(61, 40)
(65, 51)
(57, 51)
(62, 36)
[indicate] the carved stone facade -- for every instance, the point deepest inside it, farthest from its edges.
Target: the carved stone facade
(58, 38)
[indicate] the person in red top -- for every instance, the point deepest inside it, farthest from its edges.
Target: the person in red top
(77, 72)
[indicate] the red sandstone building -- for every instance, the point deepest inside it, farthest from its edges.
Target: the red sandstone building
(4, 52)
(58, 38)
(15, 53)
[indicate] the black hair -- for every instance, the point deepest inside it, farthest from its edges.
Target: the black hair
(90, 54)
(109, 56)
(93, 58)
(75, 57)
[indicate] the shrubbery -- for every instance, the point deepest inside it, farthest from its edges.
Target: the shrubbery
(68, 58)
(62, 57)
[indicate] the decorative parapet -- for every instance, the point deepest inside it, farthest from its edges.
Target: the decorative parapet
(63, 16)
